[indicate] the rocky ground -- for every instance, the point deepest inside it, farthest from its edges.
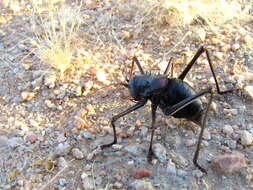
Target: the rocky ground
(51, 125)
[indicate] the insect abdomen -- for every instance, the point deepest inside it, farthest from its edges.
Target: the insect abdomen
(175, 92)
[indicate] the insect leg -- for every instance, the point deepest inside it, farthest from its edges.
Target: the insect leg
(215, 79)
(194, 59)
(170, 65)
(177, 107)
(150, 151)
(116, 117)
(203, 124)
(186, 102)
(138, 64)
(189, 66)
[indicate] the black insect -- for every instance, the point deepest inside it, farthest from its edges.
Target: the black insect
(173, 96)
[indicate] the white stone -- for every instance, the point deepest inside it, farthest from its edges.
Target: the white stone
(246, 138)
(235, 47)
(26, 96)
(227, 129)
(249, 90)
(77, 154)
(207, 135)
(49, 80)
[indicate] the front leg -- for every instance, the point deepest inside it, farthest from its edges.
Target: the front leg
(116, 117)
(150, 151)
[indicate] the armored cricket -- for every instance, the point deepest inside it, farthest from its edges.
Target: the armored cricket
(173, 96)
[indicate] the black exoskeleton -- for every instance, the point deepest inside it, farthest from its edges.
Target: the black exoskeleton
(173, 96)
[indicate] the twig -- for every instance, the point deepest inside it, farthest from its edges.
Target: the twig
(57, 175)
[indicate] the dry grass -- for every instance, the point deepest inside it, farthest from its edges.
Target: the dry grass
(184, 12)
(57, 24)
(55, 30)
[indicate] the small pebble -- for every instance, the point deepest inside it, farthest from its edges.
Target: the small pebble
(118, 185)
(62, 163)
(130, 163)
(160, 152)
(62, 182)
(98, 180)
(32, 137)
(49, 104)
(246, 138)
(229, 163)
(197, 173)
(88, 135)
(84, 175)
(225, 48)
(90, 156)
(15, 142)
(34, 123)
(219, 55)
(138, 123)
(248, 40)
(182, 173)
(62, 149)
(26, 96)
(20, 182)
(37, 82)
(141, 185)
(213, 106)
(215, 41)
(126, 35)
(171, 168)
(88, 183)
(249, 90)
(141, 172)
(78, 91)
(190, 142)
(227, 130)
(231, 143)
(88, 85)
(101, 77)
(24, 129)
(207, 135)
(49, 80)
(77, 154)
(133, 149)
(231, 111)
(144, 131)
(117, 146)
(225, 149)
(131, 131)
(205, 143)
(234, 111)
(235, 47)
(61, 138)
(178, 159)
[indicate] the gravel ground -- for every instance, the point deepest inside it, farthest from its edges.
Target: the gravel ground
(51, 127)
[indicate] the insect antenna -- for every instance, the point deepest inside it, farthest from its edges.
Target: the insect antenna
(168, 66)
(138, 64)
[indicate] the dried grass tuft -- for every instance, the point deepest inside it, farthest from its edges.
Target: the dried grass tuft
(55, 30)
